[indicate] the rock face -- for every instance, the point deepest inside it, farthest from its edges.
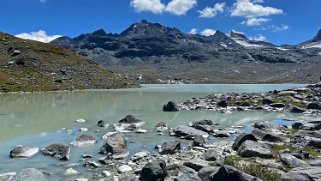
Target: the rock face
(154, 171)
(129, 119)
(84, 140)
(59, 151)
(23, 152)
(231, 173)
(30, 174)
(189, 132)
(116, 144)
(171, 106)
(170, 147)
(254, 149)
(241, 139)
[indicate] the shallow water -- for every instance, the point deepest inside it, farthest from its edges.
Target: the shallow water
(37, 119)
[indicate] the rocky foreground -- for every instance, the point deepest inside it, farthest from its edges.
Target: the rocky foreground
(268, 152)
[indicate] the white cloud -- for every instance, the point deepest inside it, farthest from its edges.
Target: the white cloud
(258, 37)
(43, 1)
(208, 32)
(177, 7)
(255, 21)
(155, 6)
(38, 36)
(209, 12)
(275, 28)
(253, 11)
(180, 7)
(193, 31)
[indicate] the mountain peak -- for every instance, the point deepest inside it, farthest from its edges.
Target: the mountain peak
(100, 32)
(238, 35)
(317, 37)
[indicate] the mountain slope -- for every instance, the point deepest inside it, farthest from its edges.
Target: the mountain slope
(159, 52)
(33, 66)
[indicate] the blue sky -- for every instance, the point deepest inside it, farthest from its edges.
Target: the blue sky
(276, 21)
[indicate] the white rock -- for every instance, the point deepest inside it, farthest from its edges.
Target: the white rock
(124, 169)
(71, 172)
(140, 155)
(80, 120)
(106, 173)
(82, 179)
(7, 176)
(105, 136)
(83, 129)
(141, 131)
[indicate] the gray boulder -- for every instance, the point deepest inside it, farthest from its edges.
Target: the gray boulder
(171, 106)
(170, 147)
(84, 140)
(232, 174)
(222, 103)
(314, 105)
(205, 172)
(196, 164)
(154, 171)
(203, 125)
(277, 105)
(198, 141)
(305, 173)
(59, 151)
(294, 109)
(30, 174)
(23, 152)
(241, 139)
(189, 132)
(116, 145)
(254, 149)
(129, 119)
(267, 101)
(291, 161)
(211, 155)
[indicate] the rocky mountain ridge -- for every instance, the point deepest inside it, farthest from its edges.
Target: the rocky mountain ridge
(162, 53)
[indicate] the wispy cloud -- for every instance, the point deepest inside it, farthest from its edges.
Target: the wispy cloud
(38, 36)
(154, 6)
(258, 37)
(210, 12)
(193, 31)
(208, 32)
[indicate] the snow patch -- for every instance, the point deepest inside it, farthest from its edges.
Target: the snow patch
(223, 45)
(312, 45)
(280, 48)
(247, 44)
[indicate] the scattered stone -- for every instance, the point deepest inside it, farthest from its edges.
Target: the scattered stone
(295, 109)
(87, 156)
(71, 172)
(314, 105)
(154, 171)
(129, 119)
(277, 105)
(116, 145)
(254, 149)
(7, 176)
(106, 173)
(161, 127)
(80, 121)
(171, 106)
(211, 155)
(241, 139)
(30, 174)
(222, 103)
(267, 101)
(139, 155)
(189, 132)
(221, 134)
(196, 164)
(124, 169)
(206, 172)
(198, 141)
(306, 173)
(92, 164)
(84, 140)
(170, 147)
(203, 125)
(140, 131)
(102, 124)
(231, 173)
(83, 129)
(291, 161)
(23, 152)
(59, 151)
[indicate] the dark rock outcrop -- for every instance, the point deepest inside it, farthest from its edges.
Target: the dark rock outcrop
(59, 151)
(154, 171)
(170, 147)
(171, 106)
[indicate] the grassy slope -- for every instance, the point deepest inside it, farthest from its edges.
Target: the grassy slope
(46, 67)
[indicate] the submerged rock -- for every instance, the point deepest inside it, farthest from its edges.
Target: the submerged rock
(59, 151)
(116, 145)
(23, 152)
(198, 141)
(102, 124)
(84, 140)
(161, 127)
(30, 174)
(189, 132)
(129, 119)
(171, 106)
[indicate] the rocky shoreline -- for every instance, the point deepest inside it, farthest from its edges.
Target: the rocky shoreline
(268, 152)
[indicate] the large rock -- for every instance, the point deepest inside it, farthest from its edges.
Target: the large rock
(116, 145)
(84, 140)
(267, 101)
(254, 149)
(205, 172)
(306, 173)
(294, 109)
(314, 105)
(277, 105)
(196, 164)
(154, 171)
(211, 155)
(228, 173)
(241, 139)
(30, 174)
(274, 138)
(59, 151)
(291, 161)
(222, 103)
(170, 147)
(189, 132)
(203, 125)
(171, 106)
(198, 141)
(161, 127)
(23, 152)
(129, 119)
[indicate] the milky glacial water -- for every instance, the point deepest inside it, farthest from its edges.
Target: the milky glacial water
(37, 119)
